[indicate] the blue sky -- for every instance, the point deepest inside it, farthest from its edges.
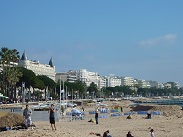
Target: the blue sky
(138, 38)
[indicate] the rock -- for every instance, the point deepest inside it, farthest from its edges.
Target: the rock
(10, 120)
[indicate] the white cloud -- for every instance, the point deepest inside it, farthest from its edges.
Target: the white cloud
(162, 40)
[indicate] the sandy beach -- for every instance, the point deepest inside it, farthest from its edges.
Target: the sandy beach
(169, 124)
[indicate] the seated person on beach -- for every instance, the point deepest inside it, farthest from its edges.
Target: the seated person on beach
(129, 117)
(91, 120)
(97, 134)
(129, 134)
(106, 134)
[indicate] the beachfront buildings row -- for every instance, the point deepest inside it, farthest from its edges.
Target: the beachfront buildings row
(111, 80)
(88, 77)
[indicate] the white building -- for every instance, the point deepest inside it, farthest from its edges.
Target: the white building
(128, 81)
(88, 77)
(61, 75)
(38, 68)
(101, 82)
(70, 76)
(154, 84)
(143, 83)
(82, 75)
(113, 81)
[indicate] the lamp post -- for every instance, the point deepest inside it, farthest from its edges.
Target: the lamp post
(93, 94)
(63, 90)
(23, 92)
(60, 91)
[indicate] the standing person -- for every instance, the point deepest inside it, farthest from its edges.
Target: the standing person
(52, 116)
(96, 116)
(121, 109)
(27, 116)
(152, 133)
(83, 109)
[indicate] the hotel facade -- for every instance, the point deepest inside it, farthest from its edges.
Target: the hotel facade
(38, 68)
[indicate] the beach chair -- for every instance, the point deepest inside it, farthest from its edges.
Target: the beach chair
(156, 113)
(128, 113)
(104, 111)
(92, 112)
(114, 110)
(102, 116)
(116, 114)
(142, 112)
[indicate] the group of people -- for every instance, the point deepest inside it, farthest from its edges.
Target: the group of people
(129, 134)
(152, 134)
(28, 122)
(27, 112)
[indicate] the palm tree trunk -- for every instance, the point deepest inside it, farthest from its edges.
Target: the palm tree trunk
(15, 92)
(12, 89)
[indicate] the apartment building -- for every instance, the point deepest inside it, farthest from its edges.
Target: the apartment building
(172, 85)
(88, 77)
(143, 84)
(127, 81)
(70, 76)
(112, 81)
(82, 75)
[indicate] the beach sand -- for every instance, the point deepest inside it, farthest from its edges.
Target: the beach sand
(169, 124)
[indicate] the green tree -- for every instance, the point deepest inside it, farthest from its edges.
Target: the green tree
(93, 90)
(81, 87)
(28, 77)
(49, 83)
(10, 75)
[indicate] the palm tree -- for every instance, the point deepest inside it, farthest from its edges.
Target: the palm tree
(10, 73)
(3, 61)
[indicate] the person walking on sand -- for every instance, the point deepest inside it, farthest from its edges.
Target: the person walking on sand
(96, 116)
(27, 116)
(52, 116)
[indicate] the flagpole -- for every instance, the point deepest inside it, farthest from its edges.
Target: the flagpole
(66, 93)
(60, 91)
(63, 90)
(72, 103)
(23, 92)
